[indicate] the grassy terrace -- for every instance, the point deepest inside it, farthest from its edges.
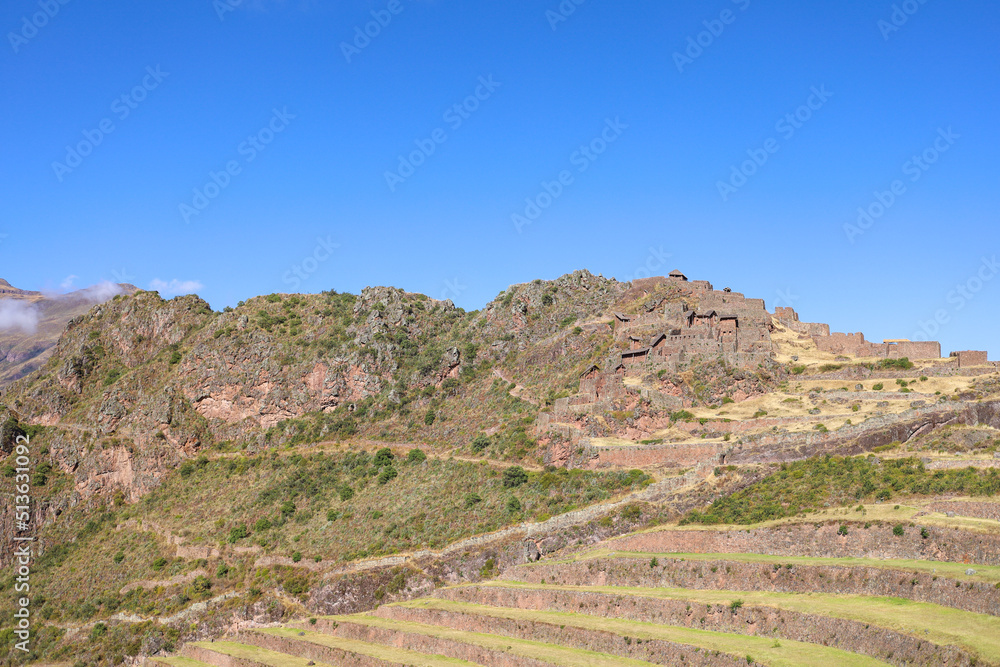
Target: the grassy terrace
(380, 651)
(178, 661)
(557, 655)
(256, 655)
(986, 573)
(978, 633)
(314, 504)
(905, 511)
(808, 485)
(787, 652)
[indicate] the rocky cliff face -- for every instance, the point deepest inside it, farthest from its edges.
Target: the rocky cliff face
(137, 384)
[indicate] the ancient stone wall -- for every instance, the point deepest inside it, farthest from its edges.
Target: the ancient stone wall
(895, 647)
(914, 349)
(978, 510)
(303, 650)
(429, 644)
(968, 358)
(823, 540)
(669, 455)
(657, 651)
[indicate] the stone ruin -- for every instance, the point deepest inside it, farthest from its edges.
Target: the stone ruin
(669, 334)
(855, 345)
(724, 325)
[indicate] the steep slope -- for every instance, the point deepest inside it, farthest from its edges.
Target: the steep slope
(196, 473)
(31, 323)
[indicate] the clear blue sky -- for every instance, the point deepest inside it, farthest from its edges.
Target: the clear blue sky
(676, 128)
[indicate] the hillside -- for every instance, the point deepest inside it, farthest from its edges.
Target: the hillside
(201, 474)
(31, 323)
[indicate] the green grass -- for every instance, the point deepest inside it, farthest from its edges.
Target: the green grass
(820, 481)
(979, 633)
(986, 573)
(380, 651)
(551, 653)
(258, 655)
(762, 648)
(179, 661)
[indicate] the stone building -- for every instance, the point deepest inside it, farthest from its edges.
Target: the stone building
(967, 358)
(854, 344)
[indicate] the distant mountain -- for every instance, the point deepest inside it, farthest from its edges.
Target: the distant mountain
(31, 322)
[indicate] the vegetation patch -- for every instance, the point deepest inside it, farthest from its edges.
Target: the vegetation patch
(832, 480)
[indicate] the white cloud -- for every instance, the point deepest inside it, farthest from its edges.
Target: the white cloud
(67, 283)
(101, 292)
(175, 287)
(17, 314)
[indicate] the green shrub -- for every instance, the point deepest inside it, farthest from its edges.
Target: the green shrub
(98, 631)
(878, 387)
(735, 605)
(387, 475)
(489, 568)
(681, 415)
(383, 457)
(119, 557)
(201, 584)
(262, 525)
(416, 455)
(898, 530)
(798, 370)
(237, 533)
(297, 556)
(429, 417)
(631, 513)
(112, 376)
(480, 442)
(513, 504)
(902, 364)
(472, 499)
(346, 493)
(175, 357)
(159, 563)
(842, 530)
(514, 477)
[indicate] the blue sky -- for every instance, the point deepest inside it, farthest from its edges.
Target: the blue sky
(642, 109)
